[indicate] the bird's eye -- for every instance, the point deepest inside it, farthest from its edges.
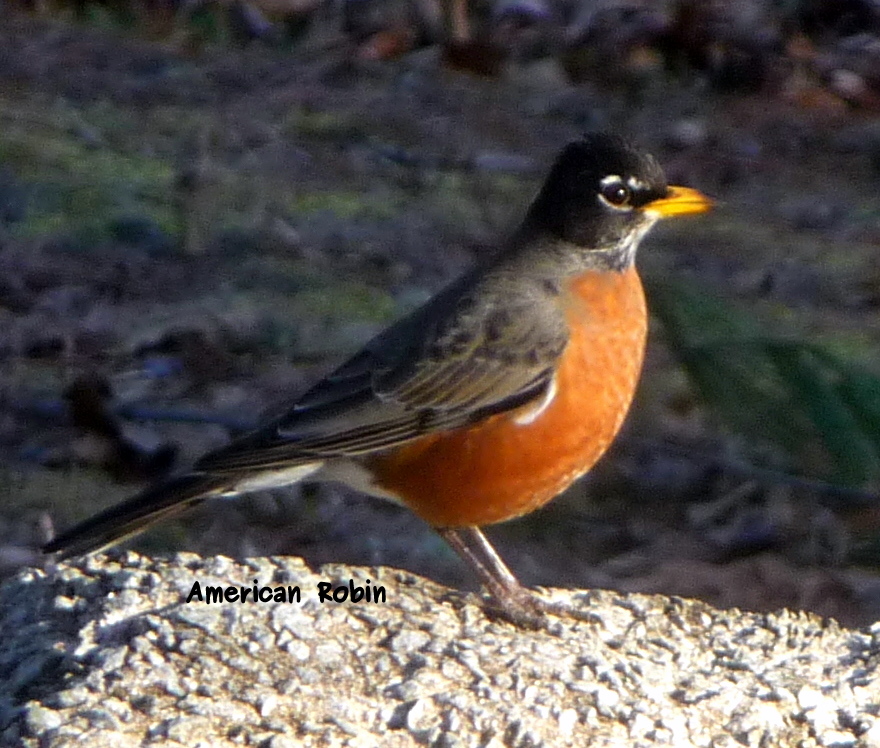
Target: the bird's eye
(616, 193)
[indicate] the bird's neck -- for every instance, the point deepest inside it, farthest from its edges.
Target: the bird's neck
(536, 251)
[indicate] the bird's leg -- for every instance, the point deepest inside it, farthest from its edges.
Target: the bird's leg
(511, 600)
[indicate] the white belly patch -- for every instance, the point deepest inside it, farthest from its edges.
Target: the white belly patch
(270, 479)
(355, 476)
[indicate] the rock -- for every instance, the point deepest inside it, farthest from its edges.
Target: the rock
(107, 651)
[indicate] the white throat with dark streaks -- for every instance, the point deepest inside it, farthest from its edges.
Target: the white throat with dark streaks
(622, 255)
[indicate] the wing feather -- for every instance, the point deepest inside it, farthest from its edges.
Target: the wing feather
(447, 365)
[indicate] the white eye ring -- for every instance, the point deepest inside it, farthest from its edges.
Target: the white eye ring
(615, 193)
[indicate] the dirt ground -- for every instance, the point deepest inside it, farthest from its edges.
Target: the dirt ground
(187, 239)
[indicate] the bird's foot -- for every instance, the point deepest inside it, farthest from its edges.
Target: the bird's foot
(508, 599)
(526, 610)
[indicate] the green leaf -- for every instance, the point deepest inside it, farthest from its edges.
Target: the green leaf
(812, 385)
(819, 410)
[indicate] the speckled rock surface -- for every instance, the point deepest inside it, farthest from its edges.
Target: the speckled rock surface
(109, 652)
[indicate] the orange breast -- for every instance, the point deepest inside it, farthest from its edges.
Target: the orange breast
(500, 469)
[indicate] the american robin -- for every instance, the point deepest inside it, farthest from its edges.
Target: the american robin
(486, 402)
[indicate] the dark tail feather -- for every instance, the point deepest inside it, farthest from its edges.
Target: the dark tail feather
(137, 514)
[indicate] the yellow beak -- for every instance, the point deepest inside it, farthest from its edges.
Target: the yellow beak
(679, 201)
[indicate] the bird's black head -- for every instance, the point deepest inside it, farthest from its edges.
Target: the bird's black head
(603, 194)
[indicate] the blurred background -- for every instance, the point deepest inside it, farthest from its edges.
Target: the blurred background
(204, 205)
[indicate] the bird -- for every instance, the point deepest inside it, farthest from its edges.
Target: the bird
(486, 402)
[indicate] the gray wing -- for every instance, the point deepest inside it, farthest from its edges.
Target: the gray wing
(450, 363)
